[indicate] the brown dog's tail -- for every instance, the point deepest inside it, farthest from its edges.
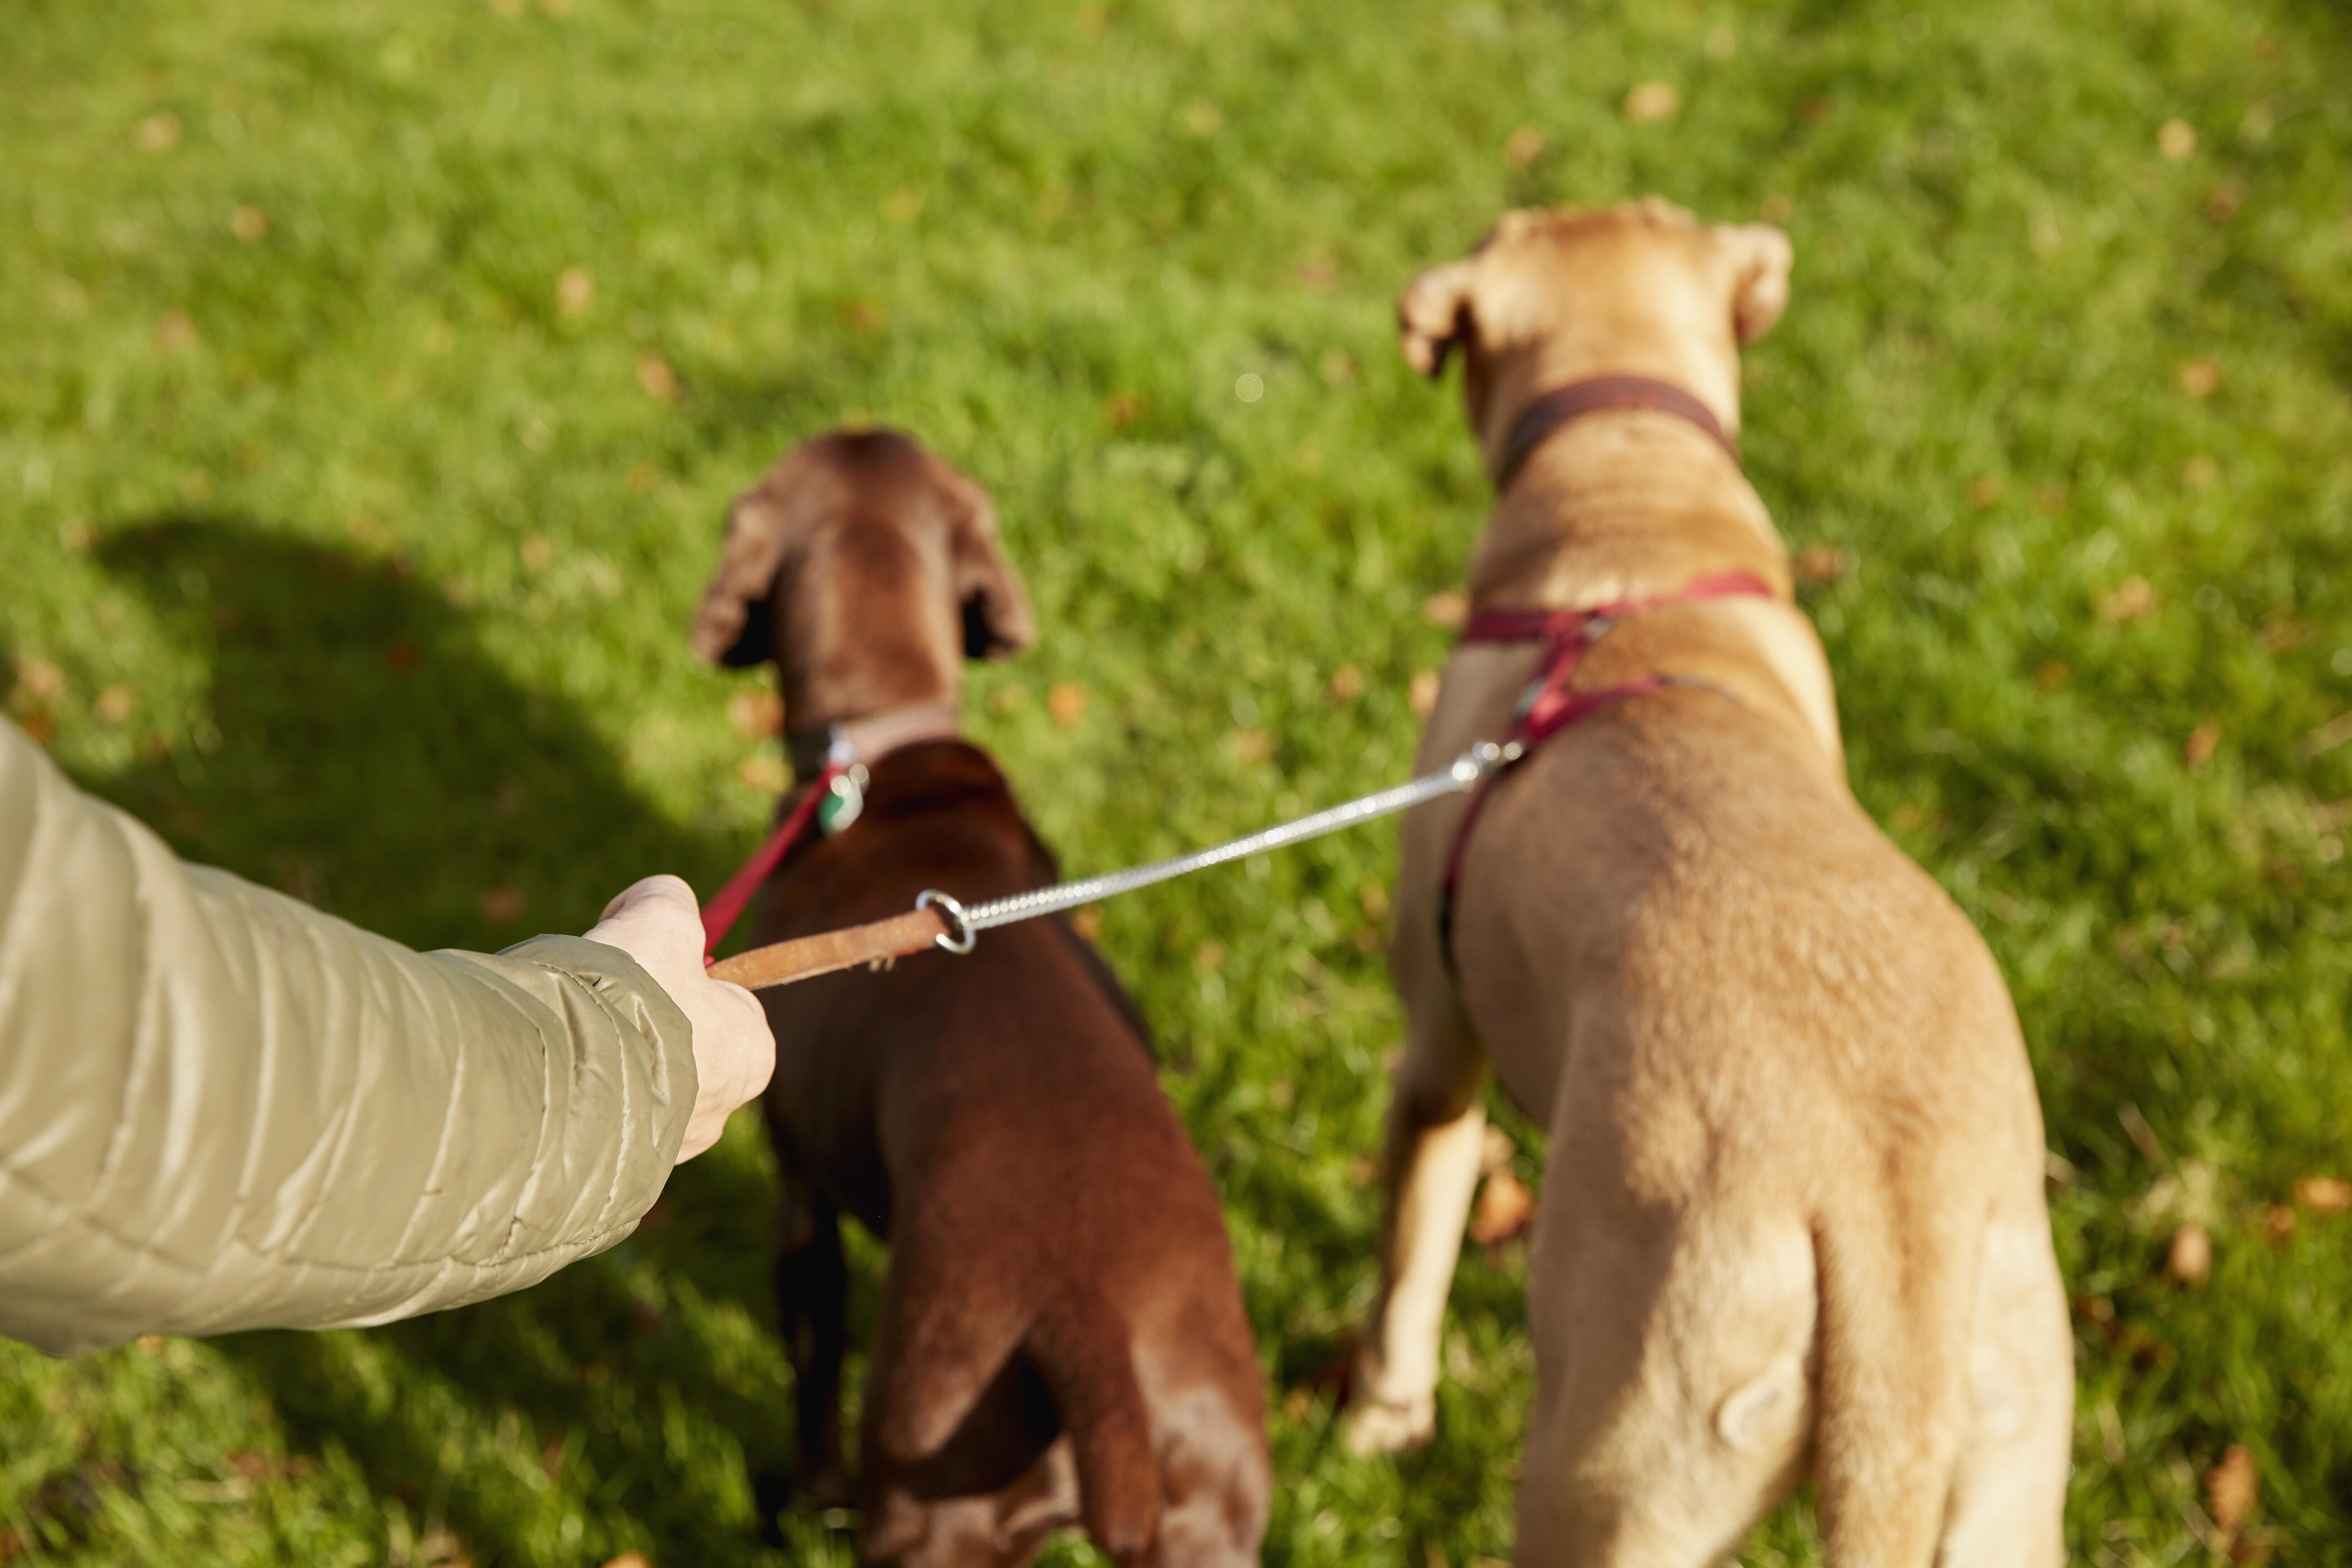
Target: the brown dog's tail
(1081, 1348)
(1895, 1291)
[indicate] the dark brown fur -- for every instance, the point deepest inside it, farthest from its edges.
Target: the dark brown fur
(1062, 1335)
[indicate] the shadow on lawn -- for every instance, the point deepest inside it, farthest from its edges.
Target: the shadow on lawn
(371, 757)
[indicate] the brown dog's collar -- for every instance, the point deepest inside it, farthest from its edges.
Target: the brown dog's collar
(870, 738)
(1542, 418)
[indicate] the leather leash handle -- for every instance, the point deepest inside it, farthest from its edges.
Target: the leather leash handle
(805, 957)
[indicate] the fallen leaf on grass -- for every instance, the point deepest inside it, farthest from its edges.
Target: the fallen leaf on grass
(1505, 1209)
(2231, 1488)
(629, 1560)
(658, 380)
(501, 905)
(2278, 1223)
(2190, 1259)
(2176, 139)
(38, 680)
(2323, 1194)
(765, 773)
(1250, 745)
(1421, 694)
(1347, 683)
(2223, 204)
(159, 132)
(1448, 607)
(2198, 750)
(756, 715)
(2200, 378)
(1524, 147)
(248, 223)
(174, 332)
(536, 552)
(1066, 703)
(1652, 101)
(1984, 491)
(2132, 599)
(575, 290)
(1373, 899)
(1086, 921)
(115, 704)
(1820, 563)
(1122, 408)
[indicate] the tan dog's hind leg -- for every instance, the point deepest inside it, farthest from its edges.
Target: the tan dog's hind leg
(1436, 1131)
(2008, 1496)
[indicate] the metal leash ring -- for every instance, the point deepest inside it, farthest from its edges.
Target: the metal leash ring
(958, 937)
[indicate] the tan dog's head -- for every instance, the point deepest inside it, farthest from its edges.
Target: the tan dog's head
(1555, 296)
(868, 570)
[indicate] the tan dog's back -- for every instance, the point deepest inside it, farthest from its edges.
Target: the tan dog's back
(1792, 1206)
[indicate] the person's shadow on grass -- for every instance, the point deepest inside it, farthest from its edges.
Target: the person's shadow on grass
(371, 757)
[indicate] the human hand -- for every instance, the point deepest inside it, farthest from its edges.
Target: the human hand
(658, 923)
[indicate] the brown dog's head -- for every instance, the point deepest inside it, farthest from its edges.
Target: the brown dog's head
(868, 570)
(1555, 296)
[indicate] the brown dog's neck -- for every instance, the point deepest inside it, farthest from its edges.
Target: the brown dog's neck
(867, 740)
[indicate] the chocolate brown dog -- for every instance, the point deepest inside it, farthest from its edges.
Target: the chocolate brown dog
(1792, 1213)
(1062, 1337)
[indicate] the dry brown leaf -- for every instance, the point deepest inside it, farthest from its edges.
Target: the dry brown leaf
(657, 379)
(537, 553)
(1652, 101)
(903, 206)
(2223, 204)
(175, 332)
(1374, 899)
(1347, 683)
(2198, 750)
(2200, 378)
(1421, 694)
(2323, 1194)
(115, 704)
(2054, 676)
(152, 1344)
(763, 772)
(38, 680)
(1818, 563)
(1067, 702)
(159, 132)
(2198, 473)
(630, 1560)
(756, 714)
(1984, 491)
(2176, 139)
(2190, 1258)
(1086, 921)
(2231, 1487)
(1122, 408)
(1211, 956)
(2132, 599)
(1250, 745)
(1505, 1209)
(502, 905)
(575, 290)
(640, 478)
(1524, 147)
(1448, 608)
(2278, 1223)
(248, 223)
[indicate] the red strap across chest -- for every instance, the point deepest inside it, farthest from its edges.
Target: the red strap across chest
(1549, 706)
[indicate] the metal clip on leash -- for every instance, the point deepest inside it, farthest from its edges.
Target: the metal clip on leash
(939, 920)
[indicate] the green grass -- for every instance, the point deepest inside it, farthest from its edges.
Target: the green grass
(384, 558)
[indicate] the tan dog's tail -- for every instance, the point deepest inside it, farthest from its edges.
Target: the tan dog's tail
(1082, 1350)
(1895, 1293)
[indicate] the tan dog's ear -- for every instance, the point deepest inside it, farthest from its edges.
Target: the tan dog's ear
(733, 608)
(1760, 259)
(997, 621)
(1433, 314)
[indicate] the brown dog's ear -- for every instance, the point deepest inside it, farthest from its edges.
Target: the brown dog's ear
(735, 601)
(1760, 259)
(1433, 314)
(997, 620)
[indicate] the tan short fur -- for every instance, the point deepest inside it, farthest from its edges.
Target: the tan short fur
(1793, 1215)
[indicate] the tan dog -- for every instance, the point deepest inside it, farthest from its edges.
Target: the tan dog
(1793, 1213)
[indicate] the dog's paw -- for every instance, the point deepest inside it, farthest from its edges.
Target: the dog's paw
(1376, 1426)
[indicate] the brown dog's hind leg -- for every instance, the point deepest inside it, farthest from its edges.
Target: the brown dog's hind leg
(812, 1300)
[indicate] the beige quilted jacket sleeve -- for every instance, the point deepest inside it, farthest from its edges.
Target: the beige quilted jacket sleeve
(221, 1109)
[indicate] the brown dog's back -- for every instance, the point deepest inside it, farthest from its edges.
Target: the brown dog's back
(1058, 1259)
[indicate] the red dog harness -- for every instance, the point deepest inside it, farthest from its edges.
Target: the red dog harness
(1549, 706)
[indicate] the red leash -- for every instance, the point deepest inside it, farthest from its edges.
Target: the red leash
(726, 906)
(1549, 706)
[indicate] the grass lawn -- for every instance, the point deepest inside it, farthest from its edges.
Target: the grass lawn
(373, 379)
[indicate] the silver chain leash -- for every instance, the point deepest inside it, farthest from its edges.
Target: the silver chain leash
(965, 923)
